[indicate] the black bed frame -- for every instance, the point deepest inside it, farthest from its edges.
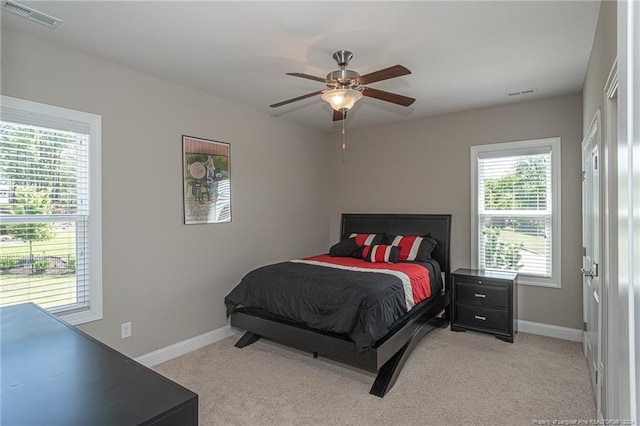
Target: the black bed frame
(388, 355)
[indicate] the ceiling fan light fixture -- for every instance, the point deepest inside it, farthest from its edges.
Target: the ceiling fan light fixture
(340, 99)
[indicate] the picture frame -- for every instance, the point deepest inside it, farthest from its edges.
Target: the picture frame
(206, 180)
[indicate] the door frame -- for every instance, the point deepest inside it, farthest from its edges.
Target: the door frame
(609, 238)
(594, 133)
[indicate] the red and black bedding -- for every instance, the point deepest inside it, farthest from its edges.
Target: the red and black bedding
(358, 297)
(363, 339)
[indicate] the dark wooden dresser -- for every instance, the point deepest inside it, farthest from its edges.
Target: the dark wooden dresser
(54, 374)
(485, 301)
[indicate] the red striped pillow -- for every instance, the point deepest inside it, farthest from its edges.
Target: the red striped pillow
(367, 239)
(380, 254)
(413, 247)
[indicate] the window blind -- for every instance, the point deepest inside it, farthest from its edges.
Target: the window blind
(44, 211)
(515, 211)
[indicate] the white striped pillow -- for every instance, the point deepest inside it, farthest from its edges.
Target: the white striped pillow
(380, 254)
(413, 247)
(367, 239)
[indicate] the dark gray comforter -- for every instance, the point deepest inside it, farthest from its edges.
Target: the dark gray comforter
(363, 305)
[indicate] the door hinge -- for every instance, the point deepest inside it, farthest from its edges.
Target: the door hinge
(584, 251)
(595, 163)
(584, 326)
(583, 175)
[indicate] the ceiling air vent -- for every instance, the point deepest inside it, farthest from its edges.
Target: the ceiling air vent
(521, 92)
(30, 14)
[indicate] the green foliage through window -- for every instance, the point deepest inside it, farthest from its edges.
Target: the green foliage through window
(524, 189)
(501, 255)
(31, 201)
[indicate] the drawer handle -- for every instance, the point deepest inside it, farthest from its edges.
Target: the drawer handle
(482, 296)
(478, 317)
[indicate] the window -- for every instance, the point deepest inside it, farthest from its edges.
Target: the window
(50, 210)
(515, 209)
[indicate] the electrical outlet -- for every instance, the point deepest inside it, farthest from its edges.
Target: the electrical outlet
(125, 329)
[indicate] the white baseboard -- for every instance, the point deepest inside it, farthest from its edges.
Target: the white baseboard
(169, 352)
(566, 333)
(177, 349)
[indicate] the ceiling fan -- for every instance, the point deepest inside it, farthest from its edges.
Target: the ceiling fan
(346, 87)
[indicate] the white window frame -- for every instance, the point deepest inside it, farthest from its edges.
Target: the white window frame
(517, 147)
(95, 199)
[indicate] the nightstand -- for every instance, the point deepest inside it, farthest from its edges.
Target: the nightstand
(485, 301)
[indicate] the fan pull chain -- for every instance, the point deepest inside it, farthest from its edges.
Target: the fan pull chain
(344, 118)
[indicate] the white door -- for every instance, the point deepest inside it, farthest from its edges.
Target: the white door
(591, 254)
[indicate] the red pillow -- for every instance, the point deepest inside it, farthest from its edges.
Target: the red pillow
(380, 254)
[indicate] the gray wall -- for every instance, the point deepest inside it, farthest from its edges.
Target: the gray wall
(423, 166)
(167, 278)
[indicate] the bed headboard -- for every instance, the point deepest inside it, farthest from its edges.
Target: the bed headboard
(438, 225)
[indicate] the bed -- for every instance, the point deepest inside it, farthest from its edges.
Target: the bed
(388, 348)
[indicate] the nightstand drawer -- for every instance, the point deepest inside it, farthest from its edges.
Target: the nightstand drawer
(465, 279)
(482, 317)
(483, 295)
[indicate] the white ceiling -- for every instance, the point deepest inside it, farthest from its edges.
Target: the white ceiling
(462, 55)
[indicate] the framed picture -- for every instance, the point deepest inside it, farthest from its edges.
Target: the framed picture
(206, 179)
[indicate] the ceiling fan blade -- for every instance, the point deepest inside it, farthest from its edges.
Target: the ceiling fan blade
(337, 115)
(385, 74)
(299, 98)
(388, 96)
(307, 76)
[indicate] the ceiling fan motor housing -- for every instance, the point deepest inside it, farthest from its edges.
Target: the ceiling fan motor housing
(343, 77)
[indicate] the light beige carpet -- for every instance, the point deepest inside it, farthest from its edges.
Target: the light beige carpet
(450, 378)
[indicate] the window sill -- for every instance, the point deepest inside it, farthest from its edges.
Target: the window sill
(538, 282)
(78, 318)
